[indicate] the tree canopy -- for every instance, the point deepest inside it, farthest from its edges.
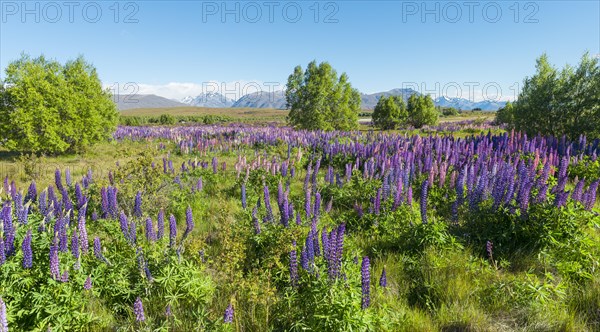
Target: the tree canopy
(560, 102)
(421, 111)
(390, 112)
(319, 99)
(47, 107)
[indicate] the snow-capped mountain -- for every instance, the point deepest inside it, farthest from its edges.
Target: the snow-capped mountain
(465, 104)
(210, 99)
(262, 99)
(368, 101)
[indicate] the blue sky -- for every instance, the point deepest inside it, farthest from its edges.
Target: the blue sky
(174, 48)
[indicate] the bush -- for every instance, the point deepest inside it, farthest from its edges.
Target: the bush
(47, 107)
(389, 112)
(166, 119)
(565, 102)
(421, 111)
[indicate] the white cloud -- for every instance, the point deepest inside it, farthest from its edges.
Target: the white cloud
(180, 90)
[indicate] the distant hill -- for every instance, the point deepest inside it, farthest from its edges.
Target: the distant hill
(276, 100)
(368, 101)
(211, 99)
(465, 104)
(127, 102)
(262, 99)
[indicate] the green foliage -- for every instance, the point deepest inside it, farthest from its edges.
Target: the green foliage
(565, 102)
(421, 111)
(318, 99)
(48, 107)
(166, 119)
(389, 112)
(505, 115)
(585, 169)
(448, 111)
(131, 120)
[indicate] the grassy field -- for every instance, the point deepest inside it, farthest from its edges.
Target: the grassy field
(440, 276)
(239, 114)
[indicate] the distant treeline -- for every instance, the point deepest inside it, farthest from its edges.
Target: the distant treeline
(167, 119)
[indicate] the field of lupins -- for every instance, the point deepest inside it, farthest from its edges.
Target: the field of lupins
(249, 228)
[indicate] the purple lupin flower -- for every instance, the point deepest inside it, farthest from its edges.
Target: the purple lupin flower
(578, 191)
(3, 317)
(75, 244)
(423, 201)
(366, 282)
(138, 310)
(383, 279)
(244, 204)
(63, 240)
(255, 221)
(87, 285)
(137, 207)
(316, 207)
(83, 236)
(27, 254)
(228, 316)
(2, 253)
(293, 266)
(304, 259)
(591, 194)
(189, 223)
(31, 193)
(124, 224)
(54, 262)
(160, 224)
(58, 180)
(168, 312)
(172, 231)
(150, 235)
(268, 204)
(98, 249)
(489, 247)
(409, 196)
(132, 232)
(68, 179)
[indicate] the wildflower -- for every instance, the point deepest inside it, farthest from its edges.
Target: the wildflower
(137, 208)
(228, 316)
(160, 224)
(423, 201)
(138, 310)
(87, 285)
(27, 254)
(3, 317)
(383, 279)
(172, 231)
(366, 282)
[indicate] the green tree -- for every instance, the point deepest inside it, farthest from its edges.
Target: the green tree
(318, 99)
(390, 112)
(505, 115)
(560, 102)
(47, 107)
(421, 111)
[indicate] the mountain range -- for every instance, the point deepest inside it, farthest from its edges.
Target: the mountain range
(277, 100)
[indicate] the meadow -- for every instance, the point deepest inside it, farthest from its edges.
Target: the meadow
(251, 227)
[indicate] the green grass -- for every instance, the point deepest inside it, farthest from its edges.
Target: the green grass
(238, 114)
(449, 288)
